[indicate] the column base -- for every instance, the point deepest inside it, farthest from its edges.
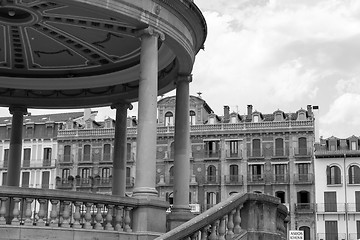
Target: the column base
(145, 192)
(176, 218)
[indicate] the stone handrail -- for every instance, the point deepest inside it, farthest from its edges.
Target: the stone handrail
(193, 128)
(241, 214)
(58, 209)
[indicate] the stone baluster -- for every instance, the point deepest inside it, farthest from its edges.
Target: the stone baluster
(16, 212)
(127, 220)
(66, 215)
(109, 218)
(28, 212)
(222, 228)
(54, 221)
(204, 233)
(194, 236)
(237, 220)
(77, 215)
(3, 210)
(119, 219)
(213, 235)
(230, 225)
(87, 217)
(41, 213)
(98, 217)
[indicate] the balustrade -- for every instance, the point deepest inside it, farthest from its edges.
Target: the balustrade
(63, 209)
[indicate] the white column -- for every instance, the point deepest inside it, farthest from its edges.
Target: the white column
(14, 163)
(182, 146)
(119, 156)
(146, 136)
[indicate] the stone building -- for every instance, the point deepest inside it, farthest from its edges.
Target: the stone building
(256, 152)
(337, 164)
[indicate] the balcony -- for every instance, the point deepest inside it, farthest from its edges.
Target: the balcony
(304, 208)
(233, 155)
(256, 154)
(211, 155)
(212, 179)
(280, 179)
(331, 208)
(66, 159)
(303, 152)
(333, 236)
(307, 178)
(64, 183)
(256, 179)
(233, 179)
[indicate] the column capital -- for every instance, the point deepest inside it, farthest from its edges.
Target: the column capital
(13, 109)
(183, 77)
(151, 31)
(122, 104)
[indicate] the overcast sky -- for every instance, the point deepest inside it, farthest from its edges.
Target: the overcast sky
(281, 54)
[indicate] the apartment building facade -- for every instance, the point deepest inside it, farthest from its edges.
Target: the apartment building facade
(337, 167)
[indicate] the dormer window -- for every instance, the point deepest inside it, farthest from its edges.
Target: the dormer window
(278, 117)
(88, 124)
(301, 116)
(256, 118)
(233, 119)
(212, 120)
(192, 118)
(169, 119)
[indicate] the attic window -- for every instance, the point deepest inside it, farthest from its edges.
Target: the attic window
(212, 120)
(278, 117)
(108, 124)
(256, 118)
(233, 119)
(301, 116)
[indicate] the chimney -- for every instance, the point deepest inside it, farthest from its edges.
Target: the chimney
(226, 114)
(309, 109)
(87, 113)
(249, 110)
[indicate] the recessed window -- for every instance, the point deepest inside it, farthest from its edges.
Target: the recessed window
(333, 175)
(169, 119)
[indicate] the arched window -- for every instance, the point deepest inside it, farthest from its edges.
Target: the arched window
(107, 152)
(256, 149)
(86, 152)
(306, 231)
(192, 118)
(67, 153)
(279, 147)
(169, 119)
(302, 146)
(354, 174)
(333, 174)
(211, 174)
(281, 195)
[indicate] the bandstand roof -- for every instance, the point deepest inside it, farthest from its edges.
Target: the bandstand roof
(86, 53)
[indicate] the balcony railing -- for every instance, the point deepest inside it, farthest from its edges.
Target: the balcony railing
(303, 152)
(233, 155)
(330, 207)
(353, 207)
(233, 179)
(212, 179)
(212, 154)
(307, 178)
(193, 128)
(256, 179)
(332, 236)
(280, 179)
(304, 207)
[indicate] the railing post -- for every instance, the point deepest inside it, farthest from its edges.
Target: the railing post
(66, 215)
(237, 220)
(98, 217)
(109, 217)
(3, 210)
(127, 220)
(41, 213)
(28, 212)
(87, 217)
(230, 225)
(54, 221)
(16, 212)
(119, 219)
(222, 228)
(77, 215)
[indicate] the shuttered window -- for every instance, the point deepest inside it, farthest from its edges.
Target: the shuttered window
(330, 201)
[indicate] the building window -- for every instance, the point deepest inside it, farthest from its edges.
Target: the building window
(354, 174)
(171, 175)
(256, 148)
(128, 151)
(105, 173)
(303, 200)
(67, 153)
(306, 231)
(29, 132)
(281, 195)
(212, 149)
(169, 119)
(302, 146)
(6, 158)
(4, 176)
(279, 147)
(331, 230)
(86, 151)
(357, 201)
(232, 149)
(26, 160)
(333, 175)
(234, 173)
(47, 157)
(212, 120)
(172, 150)
(49, 131)
(45, 179)
(25, 179)
(256, 172)
(330, 202)
(280, 171)
(353, 145)
(358, 229)
(256, 119)
(192, 118)
(303, 170)
(211, 199)
(65, 173)
(85, 173)
(106, 152)
(211, 174)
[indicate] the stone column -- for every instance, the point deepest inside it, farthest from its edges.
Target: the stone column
(14, 162)
(147, 128)
(181, 210)
(119, 156)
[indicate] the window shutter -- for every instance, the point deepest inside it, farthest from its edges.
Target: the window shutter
(328, 175)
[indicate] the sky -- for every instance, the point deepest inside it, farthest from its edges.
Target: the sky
(279, 54)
